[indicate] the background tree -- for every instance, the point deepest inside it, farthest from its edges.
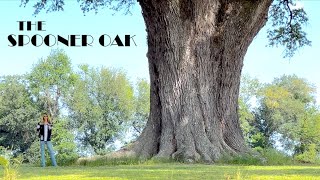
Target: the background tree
(307, 146)
(64, 143)
(195, 54)
(249, 92)
(18, 114)
(142, 106)
(50, 80)
(100, 104)
(282, 111)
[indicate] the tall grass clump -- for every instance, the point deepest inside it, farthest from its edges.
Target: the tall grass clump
(237, 176)
(9, 164)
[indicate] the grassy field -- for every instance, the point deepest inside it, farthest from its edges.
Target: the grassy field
(168, 171)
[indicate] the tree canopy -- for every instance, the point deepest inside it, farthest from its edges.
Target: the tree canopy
(286, 30)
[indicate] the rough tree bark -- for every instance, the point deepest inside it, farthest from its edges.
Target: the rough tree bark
(196, 51)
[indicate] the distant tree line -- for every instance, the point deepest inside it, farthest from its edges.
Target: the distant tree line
(91, 107)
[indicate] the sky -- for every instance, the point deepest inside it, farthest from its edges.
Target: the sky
(262, 62)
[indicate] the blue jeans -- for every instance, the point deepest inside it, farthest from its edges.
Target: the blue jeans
(50, 148)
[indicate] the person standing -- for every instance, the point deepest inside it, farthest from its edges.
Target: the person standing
(44, 129)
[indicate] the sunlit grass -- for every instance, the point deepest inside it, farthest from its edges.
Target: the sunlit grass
(168, 171)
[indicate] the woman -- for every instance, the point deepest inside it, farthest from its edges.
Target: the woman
(45, 128)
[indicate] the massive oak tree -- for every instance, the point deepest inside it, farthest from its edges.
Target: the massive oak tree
(195, 54)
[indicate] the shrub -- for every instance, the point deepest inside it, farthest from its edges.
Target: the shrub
(309, 156)
(260, 156)
(32, 155)
(245, 159)
(275, 157)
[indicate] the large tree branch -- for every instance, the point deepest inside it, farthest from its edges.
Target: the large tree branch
(289, 10)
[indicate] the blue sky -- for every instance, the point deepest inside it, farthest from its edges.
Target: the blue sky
(262, 62)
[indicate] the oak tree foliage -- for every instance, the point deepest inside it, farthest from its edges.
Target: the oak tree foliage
(286, 18)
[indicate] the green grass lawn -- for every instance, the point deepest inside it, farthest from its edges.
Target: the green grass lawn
(168, 171)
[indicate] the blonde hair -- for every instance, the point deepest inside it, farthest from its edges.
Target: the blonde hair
(45, 114)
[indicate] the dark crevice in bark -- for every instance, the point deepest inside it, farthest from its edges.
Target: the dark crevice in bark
(157, 91)
(219, 80)
(221, 15)
(187, 10)
(201, 102)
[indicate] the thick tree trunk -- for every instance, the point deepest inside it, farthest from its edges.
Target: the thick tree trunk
(196, 51)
